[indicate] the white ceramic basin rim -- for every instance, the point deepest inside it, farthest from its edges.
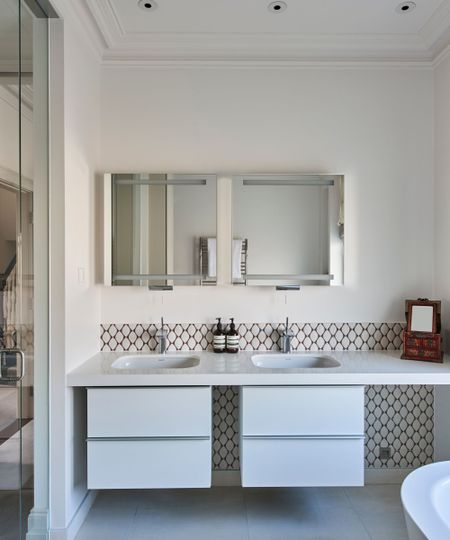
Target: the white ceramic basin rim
(155, 361)
(294, 361)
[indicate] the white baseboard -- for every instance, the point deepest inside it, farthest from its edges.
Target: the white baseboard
(37, 525)
(226, 478)
(77, 521)
(371, 476)
(385, 476)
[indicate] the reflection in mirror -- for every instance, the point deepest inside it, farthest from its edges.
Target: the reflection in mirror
(22, 144)
(164, 229)
(422, 318)
(288, 230)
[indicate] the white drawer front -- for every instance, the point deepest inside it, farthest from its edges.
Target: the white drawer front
(302, 462)
(302, 410)
(146, 464)
(148, 412)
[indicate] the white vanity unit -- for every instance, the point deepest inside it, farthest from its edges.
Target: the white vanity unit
(302, 436)
(160, 437)
(157, 437)
(302, 426)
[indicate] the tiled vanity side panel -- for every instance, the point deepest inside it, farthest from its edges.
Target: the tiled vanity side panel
(400, 417)
(225, 451)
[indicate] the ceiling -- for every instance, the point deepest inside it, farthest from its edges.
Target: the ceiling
(236, 30)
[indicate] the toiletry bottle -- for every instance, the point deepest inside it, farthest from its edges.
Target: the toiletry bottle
(219, 338)
(232, 338)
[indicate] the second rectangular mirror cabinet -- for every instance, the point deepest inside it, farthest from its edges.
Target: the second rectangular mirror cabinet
(289, 230)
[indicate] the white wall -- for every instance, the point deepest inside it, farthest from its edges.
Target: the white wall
(81, 297)
(82, 103)
(442, 184)
(442, 228)
(375, 126)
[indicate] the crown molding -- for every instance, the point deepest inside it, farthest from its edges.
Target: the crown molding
(436, 31)
(84, 22)
(442, 56)
(115, 46)
(107, 21)
(26, 93)
(10, 95)
(270, 48)
(276, 63)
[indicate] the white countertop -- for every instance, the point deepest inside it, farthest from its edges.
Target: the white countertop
(360, 367)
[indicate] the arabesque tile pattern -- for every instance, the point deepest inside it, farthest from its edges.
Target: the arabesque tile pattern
(400, 417)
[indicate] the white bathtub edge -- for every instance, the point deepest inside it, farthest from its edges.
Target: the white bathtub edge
(416, 495)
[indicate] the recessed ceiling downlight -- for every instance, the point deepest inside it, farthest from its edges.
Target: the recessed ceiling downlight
(405, 7)
(147, 5)
(277, 7)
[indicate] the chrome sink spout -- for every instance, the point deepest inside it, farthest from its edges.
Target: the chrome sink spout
(162, 337)
(286, 338)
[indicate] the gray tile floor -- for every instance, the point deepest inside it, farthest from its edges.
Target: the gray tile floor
(369, 513)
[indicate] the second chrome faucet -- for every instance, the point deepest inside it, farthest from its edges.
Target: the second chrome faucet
(286, 338)
(162, 338)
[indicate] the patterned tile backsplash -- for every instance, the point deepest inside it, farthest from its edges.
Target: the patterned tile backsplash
(257, 337)
(398, 417)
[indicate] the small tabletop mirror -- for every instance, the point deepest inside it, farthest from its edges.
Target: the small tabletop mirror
(422, 315)
(422, 318)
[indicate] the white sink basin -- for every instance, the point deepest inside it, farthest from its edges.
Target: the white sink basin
(292, 361)
(155, 361)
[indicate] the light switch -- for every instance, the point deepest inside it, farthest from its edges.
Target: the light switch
(81, 275)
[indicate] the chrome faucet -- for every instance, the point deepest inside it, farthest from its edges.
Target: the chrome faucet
(162, 336)
(286, 338)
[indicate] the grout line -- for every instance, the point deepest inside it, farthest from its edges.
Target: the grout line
(360, 518)
(130, 523)
(244, 502)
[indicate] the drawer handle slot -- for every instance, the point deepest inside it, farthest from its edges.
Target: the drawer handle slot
(300, 437)
(166, 438)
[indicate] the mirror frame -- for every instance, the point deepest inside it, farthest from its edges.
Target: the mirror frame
(336, 275)
(108, 233)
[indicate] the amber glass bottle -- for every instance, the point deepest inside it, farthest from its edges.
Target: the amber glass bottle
(219, 338)
(232, 338)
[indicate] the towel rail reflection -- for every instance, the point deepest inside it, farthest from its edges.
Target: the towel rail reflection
(157, 277)
(163, 182)
(287, 277)
(287, 180)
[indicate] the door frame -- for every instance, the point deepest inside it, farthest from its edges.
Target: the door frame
(43, 75)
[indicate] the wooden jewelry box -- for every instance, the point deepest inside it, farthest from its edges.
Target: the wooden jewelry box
(422, 339)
